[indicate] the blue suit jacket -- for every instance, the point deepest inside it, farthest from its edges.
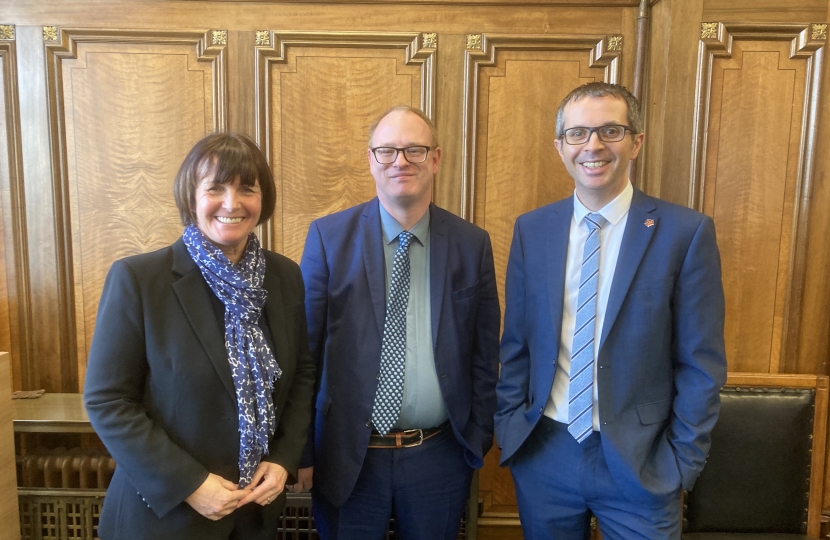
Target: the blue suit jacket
(343, 269)
(661, 358)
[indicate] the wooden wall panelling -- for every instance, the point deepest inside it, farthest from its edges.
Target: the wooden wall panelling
(669, 98)
(755, 133)
(43, 368)
(125, 107)
(814, 342)
(765, 11)
(14, 307)
(316, 95)
(513, 87)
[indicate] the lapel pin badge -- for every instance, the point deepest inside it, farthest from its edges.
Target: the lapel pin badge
(649, 223)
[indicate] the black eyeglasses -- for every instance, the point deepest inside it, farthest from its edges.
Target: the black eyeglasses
(607, 133)
(388, 154)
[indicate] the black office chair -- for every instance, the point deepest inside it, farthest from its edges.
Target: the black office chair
(763, 477)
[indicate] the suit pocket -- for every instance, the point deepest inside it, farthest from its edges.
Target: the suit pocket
(465, 292)
(656, 411)
(651, 283)
(323, 403)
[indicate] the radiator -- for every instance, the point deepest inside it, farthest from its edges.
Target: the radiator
(80, 468)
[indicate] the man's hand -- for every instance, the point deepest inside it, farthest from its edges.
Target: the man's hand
(268, 482)
(304, 480)
(216, 497)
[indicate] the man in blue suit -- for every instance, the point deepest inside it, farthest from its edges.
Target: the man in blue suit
(612, 356)
(403, 320)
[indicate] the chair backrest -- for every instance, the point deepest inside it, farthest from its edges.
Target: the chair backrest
(765, 469)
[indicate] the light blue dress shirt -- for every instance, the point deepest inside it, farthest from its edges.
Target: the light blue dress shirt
(423, 406)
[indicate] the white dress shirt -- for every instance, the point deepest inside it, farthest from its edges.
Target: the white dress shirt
(616, 212)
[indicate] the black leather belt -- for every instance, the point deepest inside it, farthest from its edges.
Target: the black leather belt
(406, 438)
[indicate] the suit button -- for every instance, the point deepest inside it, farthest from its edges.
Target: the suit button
(369, 423)
(541, 410)
(377, 375)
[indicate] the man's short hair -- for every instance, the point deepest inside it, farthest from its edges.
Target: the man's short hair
(406, 108)
(600, 90)
(226, 156)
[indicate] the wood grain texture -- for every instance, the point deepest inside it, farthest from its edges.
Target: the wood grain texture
(9, 518)
(566, 3)
(44, 360)
(130, 113)
(670, 99)
(752, 150)
(14, 307)
(319, 94)
(335, 16)
(772, 11)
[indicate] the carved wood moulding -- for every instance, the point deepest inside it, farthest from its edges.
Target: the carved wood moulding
(63, 46)
(482, 51)
(557, 3)
(271, 47)
(807, 44)
(16, 256)
(284, 58)
(6, 32)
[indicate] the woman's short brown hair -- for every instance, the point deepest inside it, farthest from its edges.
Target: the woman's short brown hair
(225, 156)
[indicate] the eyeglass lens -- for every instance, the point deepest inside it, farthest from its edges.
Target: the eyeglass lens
(413, 154)
(609, 133)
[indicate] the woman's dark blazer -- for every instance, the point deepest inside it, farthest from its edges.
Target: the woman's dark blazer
(160, 395)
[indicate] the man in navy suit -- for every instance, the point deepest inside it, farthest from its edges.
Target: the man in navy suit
(403, 320)
(612, 356)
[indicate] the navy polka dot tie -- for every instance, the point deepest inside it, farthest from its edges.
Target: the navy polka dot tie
(389, 396)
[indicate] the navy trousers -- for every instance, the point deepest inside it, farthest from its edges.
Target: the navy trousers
(560, 483)
(425, 488)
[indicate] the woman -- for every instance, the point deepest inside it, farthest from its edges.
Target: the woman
(199, 381)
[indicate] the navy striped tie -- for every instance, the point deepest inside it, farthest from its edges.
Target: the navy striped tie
(581, 386)
(389, 395)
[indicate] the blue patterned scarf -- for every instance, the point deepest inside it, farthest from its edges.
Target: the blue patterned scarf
(253, 366)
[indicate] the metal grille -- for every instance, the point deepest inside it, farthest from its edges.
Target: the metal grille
(59, 514)
(50, 514)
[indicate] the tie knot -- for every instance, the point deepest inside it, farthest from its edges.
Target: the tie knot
(595, 221)
(404, 240)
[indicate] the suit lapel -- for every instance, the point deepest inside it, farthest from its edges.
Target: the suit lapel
(372, 239)
(275, 309)
(635, 240)
(192, 293)
(558, 238)
(438, 247)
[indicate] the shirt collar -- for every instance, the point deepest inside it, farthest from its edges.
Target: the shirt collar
(391, 228)
(614, 211)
